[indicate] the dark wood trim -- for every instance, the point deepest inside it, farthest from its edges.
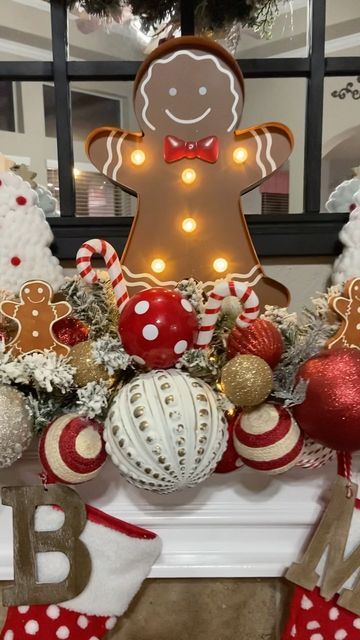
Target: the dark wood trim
(291, 235)
(314, 107)
(65, 151)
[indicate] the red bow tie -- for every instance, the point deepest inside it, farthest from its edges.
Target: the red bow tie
(206, 149)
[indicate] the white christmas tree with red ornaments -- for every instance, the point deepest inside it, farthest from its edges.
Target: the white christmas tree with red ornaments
(25, 237)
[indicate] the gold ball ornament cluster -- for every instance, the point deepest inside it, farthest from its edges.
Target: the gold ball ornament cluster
(16, 425)
(87, 370)
(246, 380)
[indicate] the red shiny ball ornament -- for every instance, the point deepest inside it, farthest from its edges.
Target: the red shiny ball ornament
(330, 413)
(157, 326)
(261, 338)
(70, 331)
(231, 460)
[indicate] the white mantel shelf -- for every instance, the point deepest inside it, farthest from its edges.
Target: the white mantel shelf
(242, 524)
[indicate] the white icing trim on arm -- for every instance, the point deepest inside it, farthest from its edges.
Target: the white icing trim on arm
(258, 152)
(110, 153)
(269, 140)
(120, 158)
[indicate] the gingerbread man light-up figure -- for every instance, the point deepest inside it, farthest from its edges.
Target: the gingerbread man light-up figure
(188, 167)
(35, 315)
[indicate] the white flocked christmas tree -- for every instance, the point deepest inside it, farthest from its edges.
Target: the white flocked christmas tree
(347, 265)
(25, 237)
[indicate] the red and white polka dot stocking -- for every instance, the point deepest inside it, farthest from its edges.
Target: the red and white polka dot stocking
(313, 618)
(121, 555)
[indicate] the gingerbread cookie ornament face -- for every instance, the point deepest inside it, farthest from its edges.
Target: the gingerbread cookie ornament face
(189, 93)
(36, 293)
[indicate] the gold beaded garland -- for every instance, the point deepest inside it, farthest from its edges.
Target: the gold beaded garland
(87, 370)
(246, 380)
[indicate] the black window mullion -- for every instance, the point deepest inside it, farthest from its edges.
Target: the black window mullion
(314, 106)
(187, 17)
(65, 151)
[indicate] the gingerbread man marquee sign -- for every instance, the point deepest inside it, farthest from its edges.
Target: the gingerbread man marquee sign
(188, 166)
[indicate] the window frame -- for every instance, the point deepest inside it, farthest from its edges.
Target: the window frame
(307, 234)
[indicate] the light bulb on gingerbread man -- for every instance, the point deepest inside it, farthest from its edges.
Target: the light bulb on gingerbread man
(188, 98)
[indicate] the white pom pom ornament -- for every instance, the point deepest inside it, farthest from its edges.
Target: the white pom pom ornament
(165, 431)
(72, 450)
(268, 439)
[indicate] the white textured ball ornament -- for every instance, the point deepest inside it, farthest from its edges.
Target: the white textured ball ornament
(165, 431)
(268, 439)
(15, 425)
(72, 450)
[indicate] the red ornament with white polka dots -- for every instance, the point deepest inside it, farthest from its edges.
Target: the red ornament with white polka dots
(157, 326)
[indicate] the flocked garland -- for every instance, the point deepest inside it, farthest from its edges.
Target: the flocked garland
(210, 15)
(49, 383)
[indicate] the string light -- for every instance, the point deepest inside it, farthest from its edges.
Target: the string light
(220, 265)
(189, 225)
(138, 157)
(76, 172)
(158, 265)
(188, 176)
(240, 155)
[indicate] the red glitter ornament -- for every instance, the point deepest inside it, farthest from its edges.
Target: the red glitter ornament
(70, 331)
(231, 459)
(330, 412)
(261, 338)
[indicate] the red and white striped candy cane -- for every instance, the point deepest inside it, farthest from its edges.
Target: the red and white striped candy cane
(213, 306)
(88, 273)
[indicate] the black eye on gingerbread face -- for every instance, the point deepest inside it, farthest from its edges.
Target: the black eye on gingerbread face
(189, 93)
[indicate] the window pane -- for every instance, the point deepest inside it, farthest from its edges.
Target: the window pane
(86, 108)
(26, 144)
(93, 39)
(287, 37)
(278, 100)
(341, 136)
(25, 30)
(95, 104)
(342, 28)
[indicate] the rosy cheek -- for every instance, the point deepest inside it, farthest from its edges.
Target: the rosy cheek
(15, 261)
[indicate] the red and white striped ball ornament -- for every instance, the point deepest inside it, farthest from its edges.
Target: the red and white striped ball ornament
(268, 439)
(72, 449)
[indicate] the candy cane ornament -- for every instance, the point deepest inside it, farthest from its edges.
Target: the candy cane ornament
(222, 289)
(88, 273)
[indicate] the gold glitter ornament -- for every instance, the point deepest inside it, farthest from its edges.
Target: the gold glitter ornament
(246, 380)
(87, 370)
(16, 425)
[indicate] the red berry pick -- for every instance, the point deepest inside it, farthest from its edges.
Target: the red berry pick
(157, 326)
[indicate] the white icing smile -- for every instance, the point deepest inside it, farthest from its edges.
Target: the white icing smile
(189, 121)
(36, 301)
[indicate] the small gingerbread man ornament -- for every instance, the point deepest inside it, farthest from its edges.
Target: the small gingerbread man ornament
(348, 307)
(188, 166)
(35, 315)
